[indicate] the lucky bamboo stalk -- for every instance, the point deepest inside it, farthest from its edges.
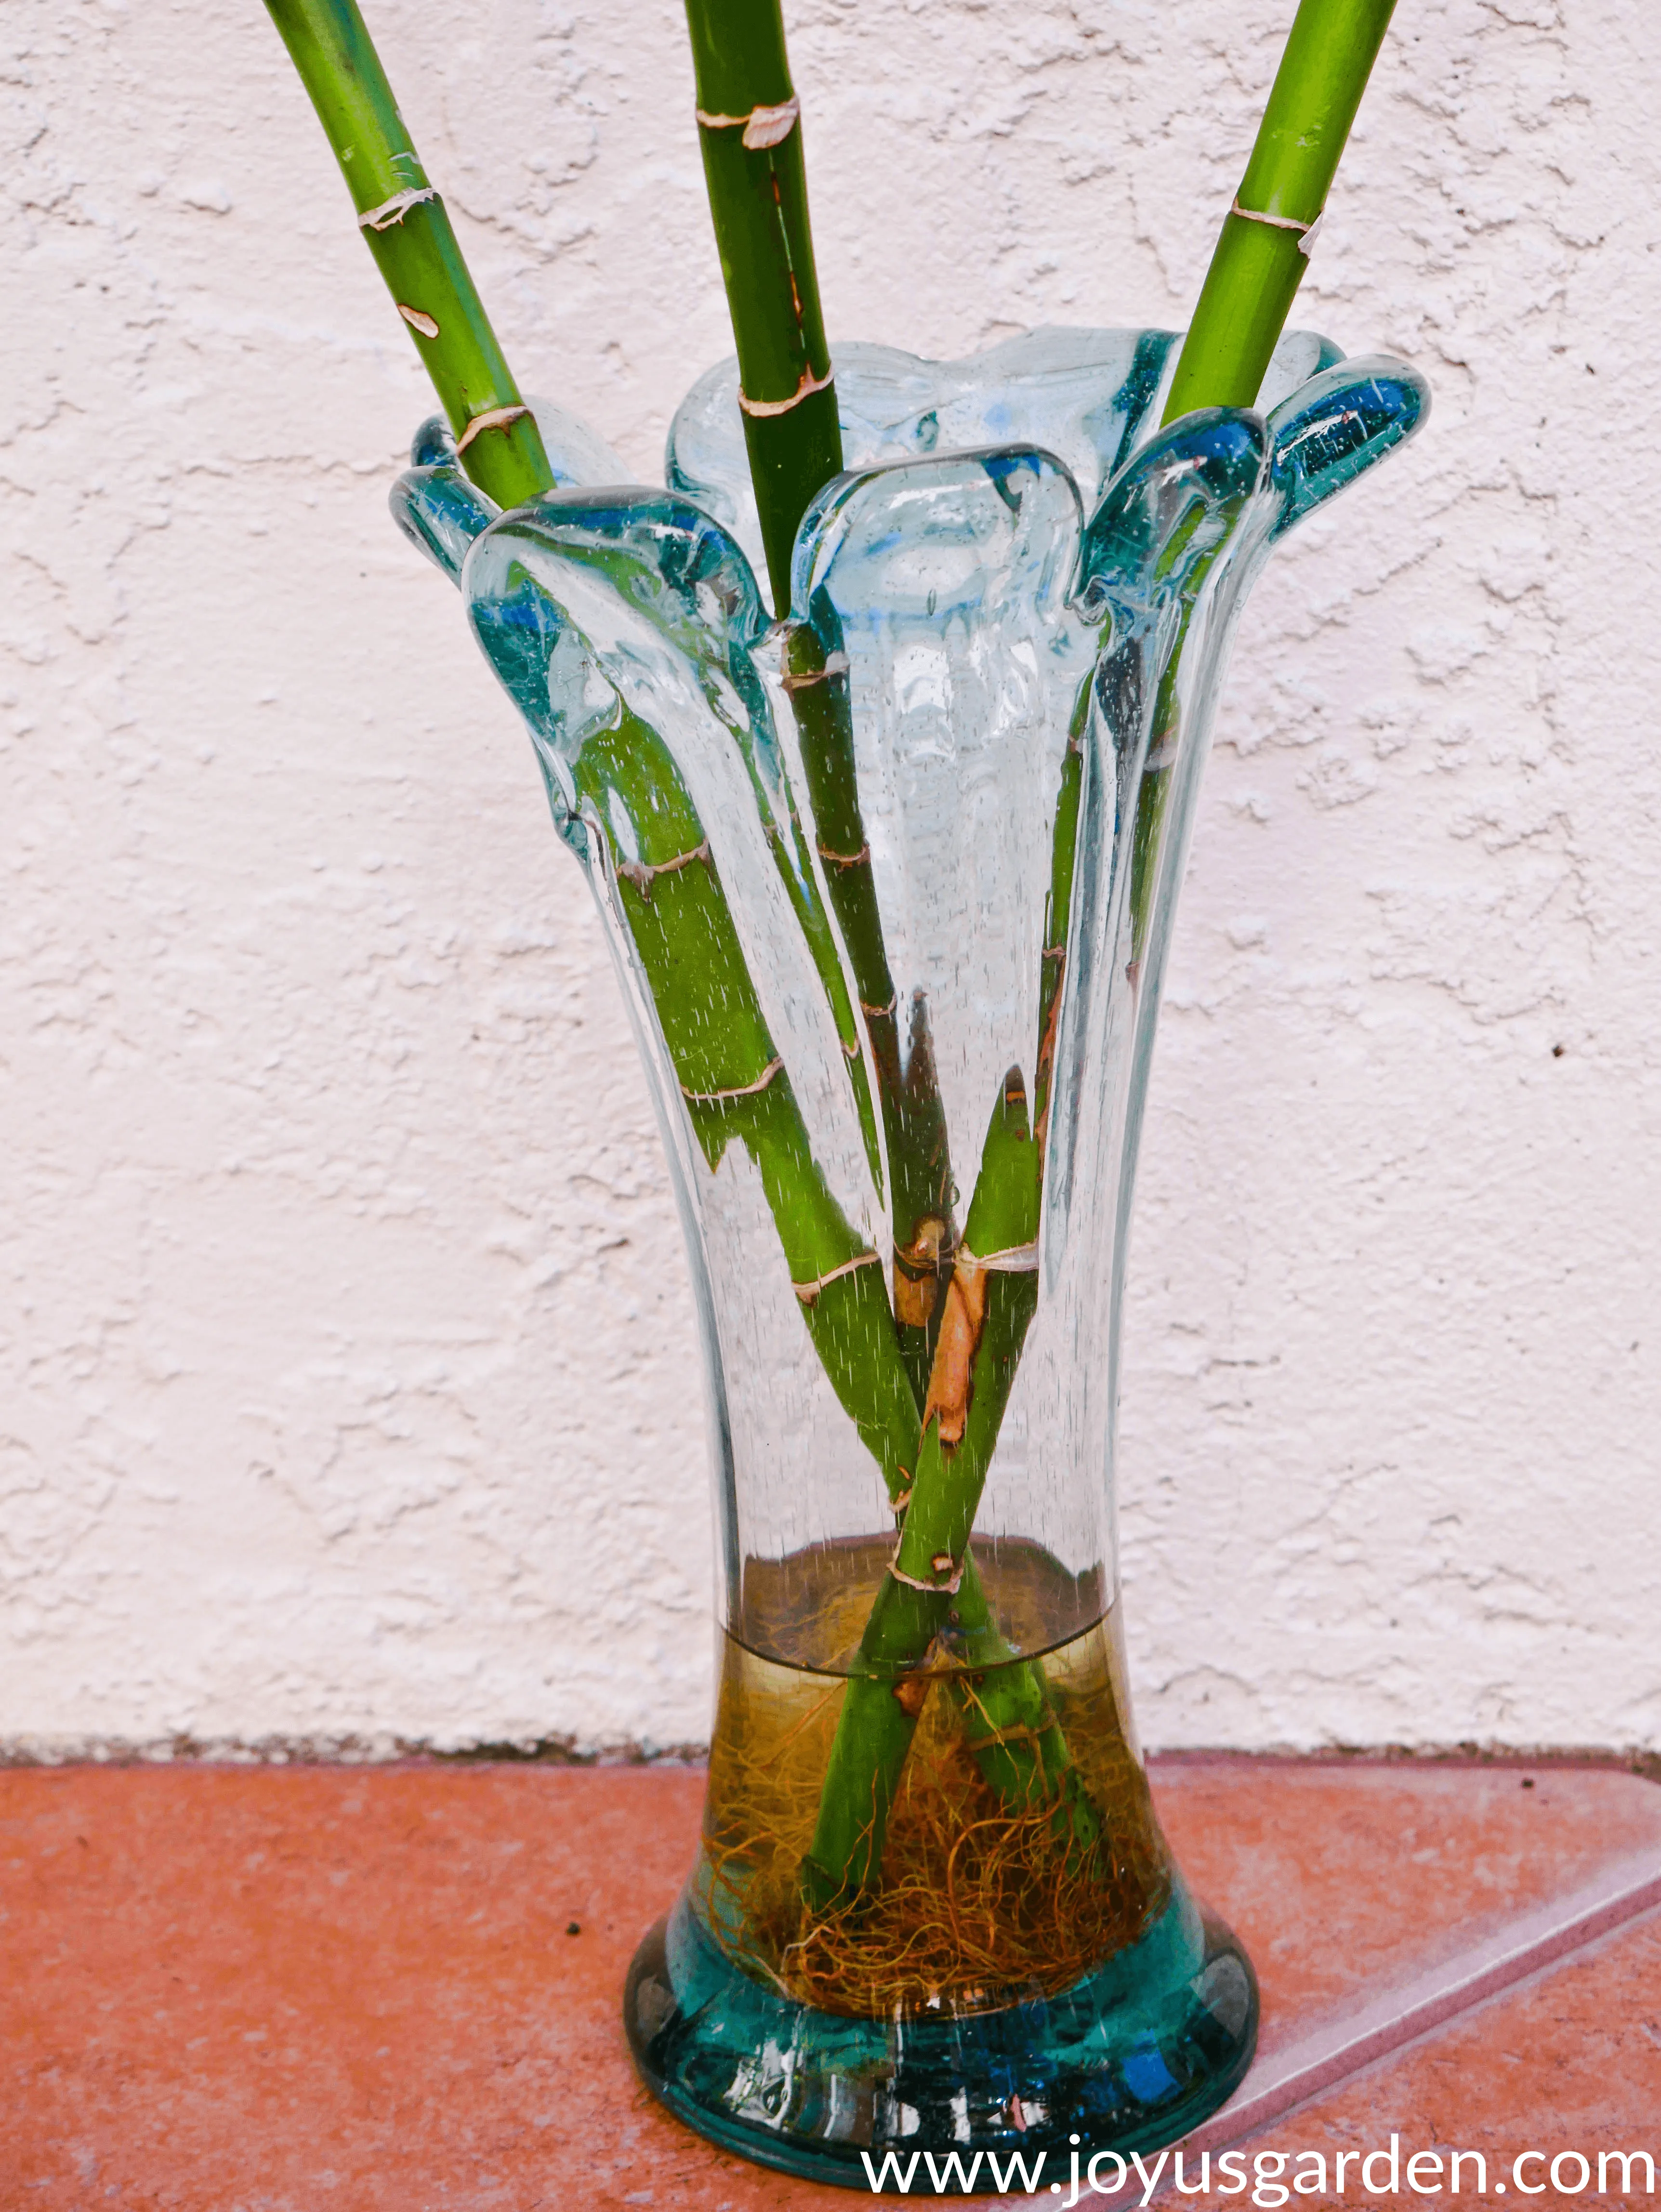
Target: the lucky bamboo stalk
(735, 1082)
(989, 1311)
(1267, 235)
(750, 128)
(408, 232)
(681, 926)
(750, 131)
(1254, 276)
(914, 1118)
(677, 915)
(933, 1589)
(933, 1431)
(749, 121)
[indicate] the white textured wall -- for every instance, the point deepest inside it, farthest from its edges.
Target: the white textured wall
(346, 1387)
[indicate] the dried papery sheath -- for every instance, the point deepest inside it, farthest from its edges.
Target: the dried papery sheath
(1020, 1260)
(944, 1576)
(759, 409)
(737, 1091)
(643, 874)
(489, 418)
(761, 126)
(1306, 233)
(394, 210)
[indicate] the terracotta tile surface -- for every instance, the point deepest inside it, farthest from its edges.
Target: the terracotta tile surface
(1570, 2063)
(254, 1989)
(1334, 1876)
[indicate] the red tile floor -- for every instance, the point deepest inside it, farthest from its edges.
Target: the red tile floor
(272, 1989)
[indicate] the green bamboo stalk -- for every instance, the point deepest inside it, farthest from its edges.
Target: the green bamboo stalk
(675, 908)
(789, 848)
(1008, 1721)
(750, 131)
(750, 128)
(1263, 251)
(932, 1571)
(408, 232)
(1058, 908)
(680, 923)
(734, 1084)
(914, 1116)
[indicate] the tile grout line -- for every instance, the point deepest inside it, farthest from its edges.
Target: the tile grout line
(1286, 2080)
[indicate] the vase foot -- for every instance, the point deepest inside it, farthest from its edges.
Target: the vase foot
(985, 2102)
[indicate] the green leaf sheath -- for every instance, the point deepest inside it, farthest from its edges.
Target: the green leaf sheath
(1259, 265)
(914, 1118)
(409, 234)
(751, 133)
(734, 1083)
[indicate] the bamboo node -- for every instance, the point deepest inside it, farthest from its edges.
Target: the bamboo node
(394, 210)
(847, 860)
(808, 1291)
(810, 384)
(1015, 1260)
(738, 1090)
(1307, 232)
(941, 1564)
(643, 873)
(761, 126)
(930, 1245)
(492, 418)
(836, 664)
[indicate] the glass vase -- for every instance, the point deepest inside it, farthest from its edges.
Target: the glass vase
(889, 885)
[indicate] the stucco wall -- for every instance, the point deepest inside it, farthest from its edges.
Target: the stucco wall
(346, 1384)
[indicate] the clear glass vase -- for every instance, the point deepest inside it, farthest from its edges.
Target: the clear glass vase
(889, 885)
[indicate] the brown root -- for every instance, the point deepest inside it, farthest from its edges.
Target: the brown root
(982, 1902)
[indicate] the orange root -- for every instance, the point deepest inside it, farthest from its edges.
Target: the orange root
(981, 1903)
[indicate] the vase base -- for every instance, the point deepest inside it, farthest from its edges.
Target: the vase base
(1130, 2059)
